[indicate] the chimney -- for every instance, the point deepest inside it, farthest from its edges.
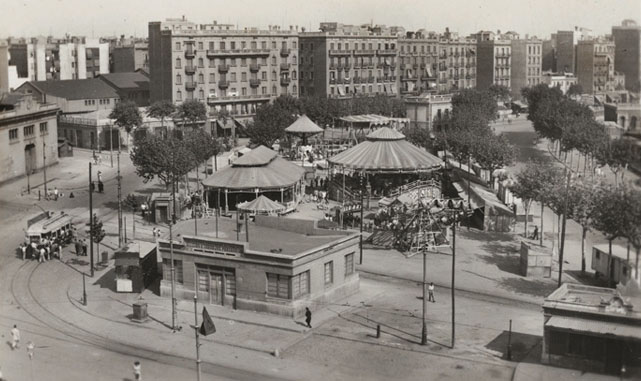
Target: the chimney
(183, 17)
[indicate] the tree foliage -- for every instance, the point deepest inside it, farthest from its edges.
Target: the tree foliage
(500, 93)
(162, 110)
(611, 212)
(616, 153)
(192, 111)
(202, 145)
(493, 152)
(574, 89)
(126, 115)
(168, 159)
(474, 107)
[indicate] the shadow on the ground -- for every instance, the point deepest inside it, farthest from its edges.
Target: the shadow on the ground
(527, 150)
(505, 257)
(111, 205)
(528, 286)
(482, 236)
(587, 278)
(154, 189)
(107, 280)
(521, 345)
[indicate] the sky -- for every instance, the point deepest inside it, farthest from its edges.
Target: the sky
(130, 17)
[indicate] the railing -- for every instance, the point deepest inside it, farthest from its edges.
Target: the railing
(387, 52)
(223, 84)
(284, 67)
(254, 67)
(190, 69)
(237, 52)
(223, 68)
(418, 184)
(334, 52)
(367, 52)
(190, 53)
(254, 82)
(285, 52)
(285, 81)
(190, 85)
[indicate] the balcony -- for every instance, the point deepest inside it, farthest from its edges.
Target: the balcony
(357, 80)
(254, 68)
(368, 52)
(333, 66)
(284, 67)
(190, 69)
(254, 82)
(371, 79)
(238, 53)
(223, 68)
(332, 81)
(236, 99)
(285, 52)
(340, 52)
(285, 81)
(190, 53)
(190, 85)
(223, 84)
(387, 52)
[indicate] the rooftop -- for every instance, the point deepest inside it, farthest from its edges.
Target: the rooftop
(592, 300)
(75, 89)
(133, 80)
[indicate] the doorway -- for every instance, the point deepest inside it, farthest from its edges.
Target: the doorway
(30, 158)
(214, 283)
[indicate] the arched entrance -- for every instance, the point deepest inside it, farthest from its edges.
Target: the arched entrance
(30, 158)
(633, 123)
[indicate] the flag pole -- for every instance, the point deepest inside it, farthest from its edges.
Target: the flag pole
(197, 341)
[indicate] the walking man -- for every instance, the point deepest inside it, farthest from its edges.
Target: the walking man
(78, 247)
(308, 317)
(15, 337)
(41, 257)
(430, 291)
(55, 193)
(23, 248)
(535, 235)
(137, 371)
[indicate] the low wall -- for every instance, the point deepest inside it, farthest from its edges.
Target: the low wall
(307, 227)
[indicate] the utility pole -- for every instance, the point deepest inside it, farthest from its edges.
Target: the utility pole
(90, 220)
(360, 246)
(197, 340)
(562, 243)
(174, 313)
(120, 237)
(423, 250)
(44, 164)
(453, 283)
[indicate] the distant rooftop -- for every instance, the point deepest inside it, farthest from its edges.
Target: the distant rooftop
(591, 300)
(74, 89)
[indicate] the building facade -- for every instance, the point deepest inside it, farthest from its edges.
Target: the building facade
(595, 65)
(233, 69)
(548, 54)
(494, 61)
(28, 135)
(247, 275)
(526, 66)
(73, 96)
(561, 80)
(342, 61)
(419, 62)
(627, 53)
(129, 57)
(457, 63)
(428, 110)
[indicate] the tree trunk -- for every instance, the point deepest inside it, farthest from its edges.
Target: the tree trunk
(526, 208)
(637, 264)
(609, 261)
(541, 237)
(583, 234)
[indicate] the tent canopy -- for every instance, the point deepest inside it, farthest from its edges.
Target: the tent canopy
(387, 150)
(303, 125)
(261, 205)
(261, 168)
(481, 196)
(366, 118)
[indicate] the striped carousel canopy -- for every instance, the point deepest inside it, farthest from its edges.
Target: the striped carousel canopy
(261, 205)
(386, 150)
(372, 119)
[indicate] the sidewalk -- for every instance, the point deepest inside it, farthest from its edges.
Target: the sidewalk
(537, 372)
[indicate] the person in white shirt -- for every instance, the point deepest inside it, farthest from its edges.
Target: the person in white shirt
(430, 291)
(15, 337)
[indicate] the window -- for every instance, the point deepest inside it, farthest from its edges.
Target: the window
(243, 91)
(200, 45)
(177, 45)
(243, 45)
(294, 89)
(264, 90)
(294, 74)
(263, 45)
(222, 45)
(232, 45)
(253, 45)
(349, 263)
(13, 134)
(273, 76)
(201, 62)
(28, 131)
(243, 77)
(233, 77)
(179, 79)
(264, 75)
(44, 128)
(178, 63)
(212, 77)
(300, 284)
(274, 90)
(201, 94)
(179, 96)
(211, 45)
(166, 270)
(278, 285)
(274, 60)
(230, 284)
(329, 273)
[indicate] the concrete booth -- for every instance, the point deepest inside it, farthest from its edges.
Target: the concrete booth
(136, 266)
(287, 265)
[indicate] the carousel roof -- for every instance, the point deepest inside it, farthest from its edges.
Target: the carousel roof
(304, 125)
(261, 205)
(387, 150)
(366, 118)
(261, 168)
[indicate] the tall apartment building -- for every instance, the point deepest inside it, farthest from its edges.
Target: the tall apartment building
(128, 55)
(627, 53)
(232, 69)
(595, 65)
(346, 60)
(494, 59)
(457, 62)
(41, 59)
(419, 62)
(566, 43)
(4, 67)
(548, 54)
(526, 67)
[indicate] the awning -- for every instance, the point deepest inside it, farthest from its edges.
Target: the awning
(372, 119)
(595, 327)
(387, 62)
(482, 197)
(461, 189)
(341, 90)
(428, 70)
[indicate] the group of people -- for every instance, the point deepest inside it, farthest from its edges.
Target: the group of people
(45, 248)
(81, 247)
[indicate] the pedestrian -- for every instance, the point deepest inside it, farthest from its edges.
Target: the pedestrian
(23, 248)
(101, 187)
(30, 348)
(15, 337)
(137, 371)
(430, 291)
(154, 232)
(308, 317)
(41, 256)
(99, 176)
(84, 247)
(71, 195)
(55, 193)
(78, 247)
(34, 250)
(535, 235)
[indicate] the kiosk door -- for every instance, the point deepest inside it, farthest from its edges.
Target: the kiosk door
(216, 288)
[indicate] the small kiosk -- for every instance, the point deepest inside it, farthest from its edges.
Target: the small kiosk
(136, 266)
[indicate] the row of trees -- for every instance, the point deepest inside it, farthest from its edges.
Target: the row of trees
(615, 211)
(272, 118)
(466, 131)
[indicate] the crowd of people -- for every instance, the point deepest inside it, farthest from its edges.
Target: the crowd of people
(43, 249)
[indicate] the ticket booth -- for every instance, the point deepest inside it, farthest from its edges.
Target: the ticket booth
(136, 266)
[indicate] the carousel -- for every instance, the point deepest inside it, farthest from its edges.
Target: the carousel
(384, 162)
(259, 172)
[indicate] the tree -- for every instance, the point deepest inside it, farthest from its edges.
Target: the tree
(168, 159)
(202, 145)
(492, 152)
(96, 232)
(478, 107)
(582, 198)
(192, 111)
(126, 115)
(574, 89)
(632, 228)
(617, 154)
(272, 119)
(500, 93)
(161, 110)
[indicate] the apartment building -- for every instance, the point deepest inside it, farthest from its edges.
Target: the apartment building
(565, 45)
(419, 62)
(494, 59)
(343, 61)
(228, 68)
(526, 65)
(129, 56)
(563, 81)
(627, 53)
(457, 62)
(595, 65)
(41, 59)
(548, 54)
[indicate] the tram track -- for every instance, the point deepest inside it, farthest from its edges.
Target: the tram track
(22, 292)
